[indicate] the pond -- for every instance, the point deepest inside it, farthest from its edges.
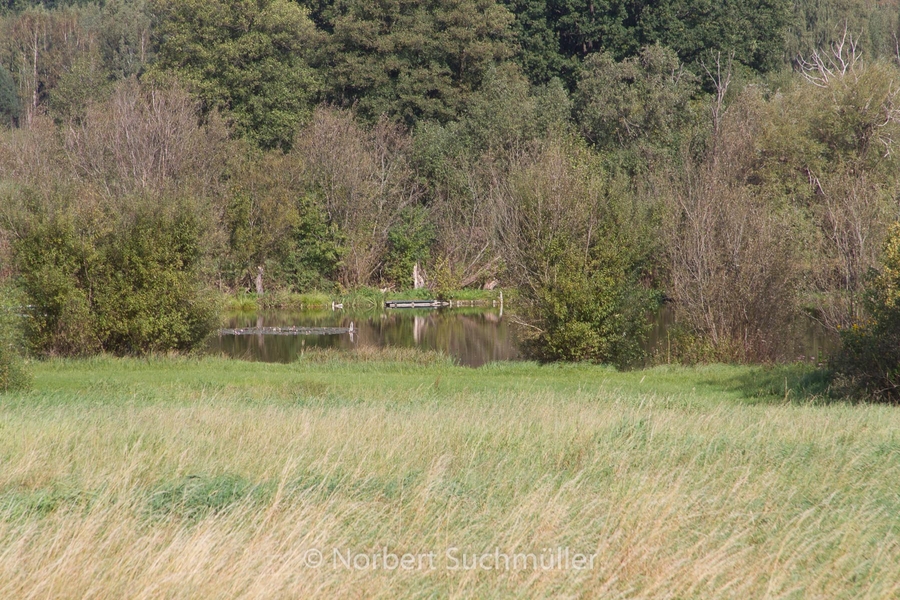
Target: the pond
(473, 336)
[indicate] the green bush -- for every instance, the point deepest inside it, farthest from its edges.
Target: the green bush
(409, 242)
(122, 283)
(53, 261)
(576, 246)
(685, 345)
(272, 221)
(12, 314)
(9, 98)
(870, 357)
(594, 312)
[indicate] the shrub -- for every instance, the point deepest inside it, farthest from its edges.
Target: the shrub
(9, 99)
(588, 311)
(575, 249)
(12, 312)
(53, 260)
(409, 242)
(870, 357)
(123, 283)
(272, 222)
(150, 299)
(732, 250)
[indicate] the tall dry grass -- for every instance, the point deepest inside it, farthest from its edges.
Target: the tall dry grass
(215, 479)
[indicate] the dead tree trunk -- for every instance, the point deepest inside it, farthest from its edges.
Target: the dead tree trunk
(259, 280)
(418, 277)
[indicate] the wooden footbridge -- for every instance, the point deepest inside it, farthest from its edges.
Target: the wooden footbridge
(443, 303)
(288, 330)
(415, 304)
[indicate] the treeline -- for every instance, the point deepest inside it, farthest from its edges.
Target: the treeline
(265, 65)
(737, 158)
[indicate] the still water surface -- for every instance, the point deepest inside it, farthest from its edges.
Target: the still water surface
(472, 336)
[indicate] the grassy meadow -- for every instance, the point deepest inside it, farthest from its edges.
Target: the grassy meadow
(214, 478)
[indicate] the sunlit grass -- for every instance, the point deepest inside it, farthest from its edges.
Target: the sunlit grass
(186, 478)
(242, 302)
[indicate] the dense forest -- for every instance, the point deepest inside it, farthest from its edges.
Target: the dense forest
(737, 159)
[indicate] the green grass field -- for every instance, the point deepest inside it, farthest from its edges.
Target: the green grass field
(212, 478)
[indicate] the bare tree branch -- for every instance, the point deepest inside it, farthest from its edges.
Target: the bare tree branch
(823, 65)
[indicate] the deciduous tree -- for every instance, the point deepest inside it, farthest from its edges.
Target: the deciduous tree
(409, 59)
(243, 58)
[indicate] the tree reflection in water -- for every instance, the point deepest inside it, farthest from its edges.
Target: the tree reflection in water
(472, 336)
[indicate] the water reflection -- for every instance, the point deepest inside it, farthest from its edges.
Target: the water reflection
(472, 336)
(805, 341)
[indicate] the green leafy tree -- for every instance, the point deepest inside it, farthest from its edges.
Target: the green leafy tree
(146, 296)
(641, 103)
(123, 29)
(41, 46)
(539, 52)
(870, 357)
(817, 23)
(752, 30)
(274, 222)
(13, 374)
(555, 35)
(9, 98)
(409, 59)
(52, 257)
(586, 26)
(409, 242)
(364, 180)
(576, 248)
(590, 306)
(463, 166)
(827, 146)
(84, 82)
(507, 114)
(244, 58)
(124, 283)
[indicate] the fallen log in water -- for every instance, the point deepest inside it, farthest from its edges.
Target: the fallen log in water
(286, 331)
